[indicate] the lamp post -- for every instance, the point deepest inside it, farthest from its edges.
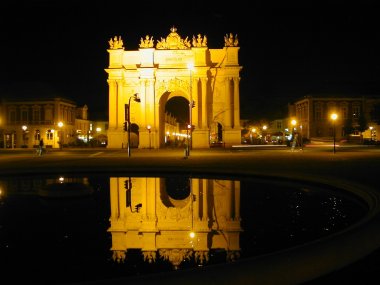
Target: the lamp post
(294, 123)
(128, 119)
(190, 66)
(264, 133)
(187, 150)
(333, 118)
(294, 138)
(149, 128)
(24, 128)
(60, 125)
(371, 130)
(253, 133)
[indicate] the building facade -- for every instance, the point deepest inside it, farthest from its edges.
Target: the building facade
(354, 121)
(174, 67)
(24, 122)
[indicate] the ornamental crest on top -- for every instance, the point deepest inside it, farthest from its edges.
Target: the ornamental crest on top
(173, 41)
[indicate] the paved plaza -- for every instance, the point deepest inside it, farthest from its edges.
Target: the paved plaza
(356, 168)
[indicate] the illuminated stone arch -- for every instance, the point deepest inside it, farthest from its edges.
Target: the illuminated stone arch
(160, 70)
(164, 99)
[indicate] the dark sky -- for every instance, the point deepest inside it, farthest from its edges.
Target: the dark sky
(287, 48)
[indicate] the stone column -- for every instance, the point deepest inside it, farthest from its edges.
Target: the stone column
(195, 97)
(228, 103)
(157, 127)
(236, 123)
(237, 200)
(151, 198)
(144, 198)
(229, 199)
(143, 98)
(120, 108)
(195, 194)
(150, 217)
(204, 103)
(114, 198)
(205, 199)
(150, 102)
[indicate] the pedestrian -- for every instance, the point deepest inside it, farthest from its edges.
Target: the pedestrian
(294, 143)
(41, 145)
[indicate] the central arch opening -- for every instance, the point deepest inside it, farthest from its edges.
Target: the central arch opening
(176, 121)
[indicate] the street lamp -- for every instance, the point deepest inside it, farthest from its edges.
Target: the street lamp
(294, 123)
(24, 128)
(149, 128)
(190, 66)
(264, 133)
(371, 129)
(128, 119)
(253, 131)
(333, 118)
(60, 125)
(188, 133)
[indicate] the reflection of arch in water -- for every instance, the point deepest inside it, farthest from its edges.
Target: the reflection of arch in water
(175, 191)
(162, 226)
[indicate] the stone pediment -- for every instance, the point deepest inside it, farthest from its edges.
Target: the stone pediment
(173, 41)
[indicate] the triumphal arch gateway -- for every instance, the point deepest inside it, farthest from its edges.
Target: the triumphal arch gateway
(142, 81)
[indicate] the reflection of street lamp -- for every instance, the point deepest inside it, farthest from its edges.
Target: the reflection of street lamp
(333, 118)
(149, 127)
(128, 119)
(24, 128)
(60, 125)
(192, 199)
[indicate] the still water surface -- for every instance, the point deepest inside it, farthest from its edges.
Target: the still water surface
(63, 229)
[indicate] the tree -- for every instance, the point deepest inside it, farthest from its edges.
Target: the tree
(348, 128)
(375, 113)
(363, 124)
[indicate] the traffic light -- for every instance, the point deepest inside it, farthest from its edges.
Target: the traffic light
(190, 127)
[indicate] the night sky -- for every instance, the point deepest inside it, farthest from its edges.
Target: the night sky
(288, 49)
